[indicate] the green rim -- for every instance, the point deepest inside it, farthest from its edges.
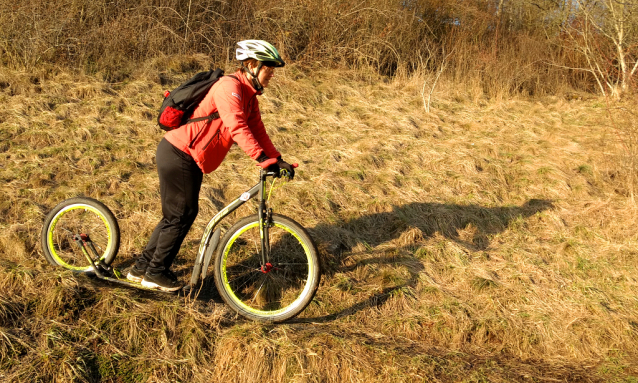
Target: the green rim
(54, 222)
(244, 306)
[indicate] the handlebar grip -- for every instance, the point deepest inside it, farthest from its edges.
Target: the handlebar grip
(295, 165)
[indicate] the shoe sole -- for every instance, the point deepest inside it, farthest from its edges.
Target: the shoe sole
(153, 285)
(133, 278)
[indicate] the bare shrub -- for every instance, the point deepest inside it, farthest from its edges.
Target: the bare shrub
(392, 37)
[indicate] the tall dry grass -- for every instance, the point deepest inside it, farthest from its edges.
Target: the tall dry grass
(622, 147)
(484, 241)
(497, 53)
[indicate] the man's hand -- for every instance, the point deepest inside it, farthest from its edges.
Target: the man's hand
(268, 164)
(287, 169)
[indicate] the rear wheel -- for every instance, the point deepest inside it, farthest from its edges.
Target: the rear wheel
(79, 216)
(278, 290)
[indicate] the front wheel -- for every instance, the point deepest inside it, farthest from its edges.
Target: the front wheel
(80, 216)
(274, 292)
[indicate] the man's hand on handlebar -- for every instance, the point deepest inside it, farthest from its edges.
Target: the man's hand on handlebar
(277, 166)
(286, 169)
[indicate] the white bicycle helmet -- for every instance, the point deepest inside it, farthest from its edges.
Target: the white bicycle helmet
(259, 50)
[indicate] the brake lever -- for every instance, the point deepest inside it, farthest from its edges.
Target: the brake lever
(285, 172)
(282, 172)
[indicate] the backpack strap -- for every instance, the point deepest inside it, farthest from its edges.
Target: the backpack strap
(210, 117)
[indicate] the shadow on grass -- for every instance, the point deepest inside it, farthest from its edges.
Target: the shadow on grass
(372, 230)
(449, 220)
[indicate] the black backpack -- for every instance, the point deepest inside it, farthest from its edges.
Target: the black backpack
(179, 104)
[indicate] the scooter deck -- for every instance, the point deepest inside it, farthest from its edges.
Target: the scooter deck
(126, 282)
(119, 278)
(103, 271)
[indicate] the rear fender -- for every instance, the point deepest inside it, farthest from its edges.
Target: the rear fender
(210, 250)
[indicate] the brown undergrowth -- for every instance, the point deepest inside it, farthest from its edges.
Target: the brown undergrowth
(485, 241)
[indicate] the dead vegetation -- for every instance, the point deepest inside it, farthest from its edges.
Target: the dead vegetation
(502, 48)
(484, 241)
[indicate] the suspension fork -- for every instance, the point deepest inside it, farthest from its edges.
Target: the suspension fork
(264, 222)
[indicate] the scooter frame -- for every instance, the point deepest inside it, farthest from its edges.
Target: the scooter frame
(208, 244)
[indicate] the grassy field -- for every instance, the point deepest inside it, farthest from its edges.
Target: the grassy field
(486, 241)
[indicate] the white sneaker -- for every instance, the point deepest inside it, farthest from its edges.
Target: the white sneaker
(165, 281)
(135, 276)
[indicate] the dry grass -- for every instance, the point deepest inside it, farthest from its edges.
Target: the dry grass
(501, 51)
(485, 241)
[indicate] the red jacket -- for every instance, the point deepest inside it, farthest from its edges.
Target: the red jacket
(208, 142)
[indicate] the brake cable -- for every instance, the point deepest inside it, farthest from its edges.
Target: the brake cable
(272, 187)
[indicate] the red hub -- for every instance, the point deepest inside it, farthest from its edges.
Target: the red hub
(266, 268)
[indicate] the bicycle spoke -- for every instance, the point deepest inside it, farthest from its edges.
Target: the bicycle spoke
(258, 290)
(80, 216)
(253, 276)
(290, 264)
(284, 277)
(279, 288)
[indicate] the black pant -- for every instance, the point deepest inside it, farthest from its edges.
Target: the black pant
(180, 181)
